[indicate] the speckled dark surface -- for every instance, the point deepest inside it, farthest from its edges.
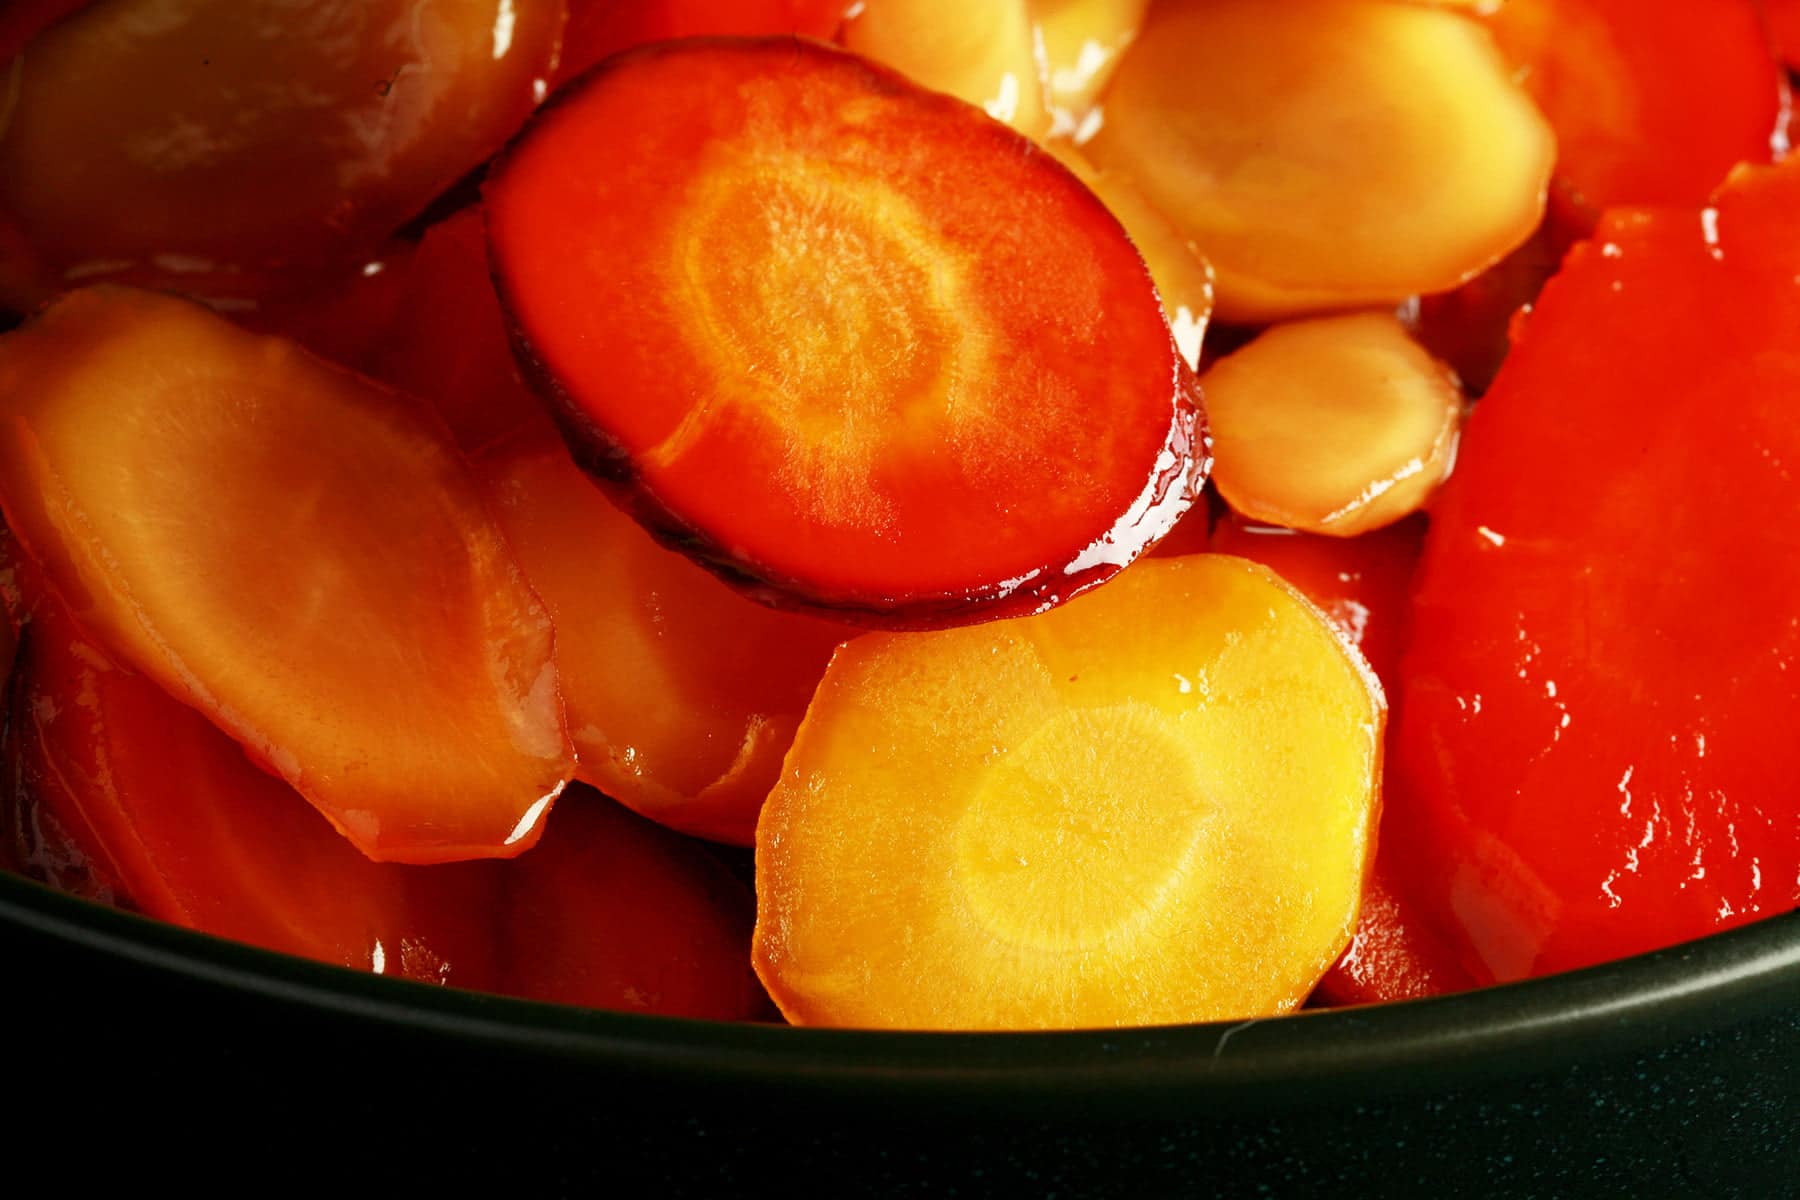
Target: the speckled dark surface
(172, 1056)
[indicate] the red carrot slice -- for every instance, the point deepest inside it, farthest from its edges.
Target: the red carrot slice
(1594, 754)
(118, 792)
(613, 911)
(1653, 101)
(842, 338)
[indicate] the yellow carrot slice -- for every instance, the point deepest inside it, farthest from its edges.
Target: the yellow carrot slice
(1151, 805)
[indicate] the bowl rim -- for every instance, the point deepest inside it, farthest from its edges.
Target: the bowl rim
(1310, 1059)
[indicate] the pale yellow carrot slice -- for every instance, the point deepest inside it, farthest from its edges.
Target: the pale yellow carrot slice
(296, 552)
(1151, 805)
(983, 52)
(1332, 425)
(1082, 41)
(1327, 153)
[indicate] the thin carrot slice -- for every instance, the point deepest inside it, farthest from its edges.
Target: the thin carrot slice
(1327, 153)
(126, 796)
(1653, 103)
(298, 553)
(983, 53)
(843, 339)
(280, 136)
(682, 695)
(1333, 425)
(612, 911)
(1152, 805)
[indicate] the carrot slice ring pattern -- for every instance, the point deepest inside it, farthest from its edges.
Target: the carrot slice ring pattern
(850, 343)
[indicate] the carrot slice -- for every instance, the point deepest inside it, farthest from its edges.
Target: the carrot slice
(260, 152)
(984, 53)
(682, 695)
(842, 338)
(1333, 424)
(1652, 102)
(295, 551)
(1595, 754)
(1152, 805)
(611, 911)
(117, 792)
(1327, 153)
(126, 796)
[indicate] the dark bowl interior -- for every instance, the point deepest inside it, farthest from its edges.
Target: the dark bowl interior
(1671, 1073)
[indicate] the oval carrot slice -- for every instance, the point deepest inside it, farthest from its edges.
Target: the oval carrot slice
(1333, 425)
(1327, 153)
(1150, 806)
(843, 339)
(295, 551)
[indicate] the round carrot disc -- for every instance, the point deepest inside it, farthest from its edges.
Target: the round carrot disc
(850, 343)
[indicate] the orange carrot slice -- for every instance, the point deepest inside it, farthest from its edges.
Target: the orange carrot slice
(1327, 153)
(845, 340)
(1152, 805)
(682, 695)
(298, 553)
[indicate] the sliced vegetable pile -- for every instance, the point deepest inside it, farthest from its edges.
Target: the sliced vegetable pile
(1034, 514)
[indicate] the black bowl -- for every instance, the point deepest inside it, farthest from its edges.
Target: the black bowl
(1669, 1074)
